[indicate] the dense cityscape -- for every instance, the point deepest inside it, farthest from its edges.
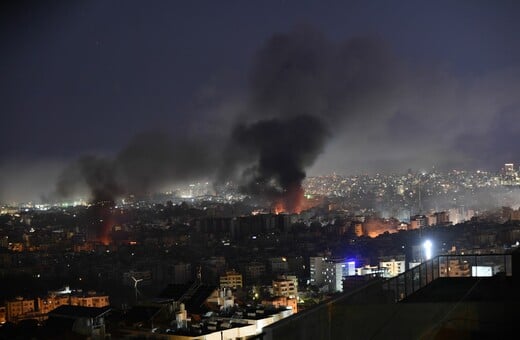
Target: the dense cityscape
(260, 170)
(235, 254)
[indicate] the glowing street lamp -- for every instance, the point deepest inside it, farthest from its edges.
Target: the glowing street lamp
(427, 245)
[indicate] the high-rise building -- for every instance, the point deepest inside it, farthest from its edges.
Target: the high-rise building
(509, 169)
(330, 272)
(509, 175)
(316, 270)
(334, 276)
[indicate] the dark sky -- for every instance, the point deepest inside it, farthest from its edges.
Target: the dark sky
(85, 77)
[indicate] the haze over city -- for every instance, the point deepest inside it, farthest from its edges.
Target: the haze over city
(278, 169)
(261, 93)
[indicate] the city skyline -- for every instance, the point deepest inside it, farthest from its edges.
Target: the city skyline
(182, 88)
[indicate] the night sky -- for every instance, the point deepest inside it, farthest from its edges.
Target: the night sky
(148, 85)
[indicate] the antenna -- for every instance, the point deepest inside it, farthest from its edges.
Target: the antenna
(136, 281)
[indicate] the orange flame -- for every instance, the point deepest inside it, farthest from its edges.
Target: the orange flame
(291, 201)
(279, 208)
(105, 232)
(104, 224)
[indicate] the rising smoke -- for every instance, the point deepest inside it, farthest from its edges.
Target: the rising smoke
(150, 161)
(302, 89)
(97, 173)
(281, 150)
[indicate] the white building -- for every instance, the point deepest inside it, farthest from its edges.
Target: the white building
(392, 268)
(369, 270)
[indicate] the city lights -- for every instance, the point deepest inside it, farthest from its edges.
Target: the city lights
(197, 171)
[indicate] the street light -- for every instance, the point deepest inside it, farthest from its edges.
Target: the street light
(427, 245)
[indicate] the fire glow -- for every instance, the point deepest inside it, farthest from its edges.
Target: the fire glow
(102, 222)
(290, 201)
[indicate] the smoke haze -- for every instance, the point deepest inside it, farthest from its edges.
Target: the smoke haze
(302, 88)
(150, 161)
(310, 105)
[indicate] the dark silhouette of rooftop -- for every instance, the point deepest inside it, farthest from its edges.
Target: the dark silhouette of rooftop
(499, 288)
(421, 303)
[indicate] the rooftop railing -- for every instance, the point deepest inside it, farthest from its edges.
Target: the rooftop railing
(414, 279)
(364, 312)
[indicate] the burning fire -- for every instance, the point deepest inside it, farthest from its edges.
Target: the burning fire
(278, 208)
(102, 221)
(290, 201)
(104, 232)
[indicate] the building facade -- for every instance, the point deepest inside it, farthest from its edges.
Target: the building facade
(231, 279)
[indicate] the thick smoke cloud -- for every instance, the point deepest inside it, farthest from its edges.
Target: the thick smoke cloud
(150, 160)
(281, 149)
(302, 72)
(354, 100)
(289, 75)
(302, 87)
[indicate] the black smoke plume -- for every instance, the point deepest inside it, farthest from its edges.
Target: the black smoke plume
(302, 87)
(282, 150)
